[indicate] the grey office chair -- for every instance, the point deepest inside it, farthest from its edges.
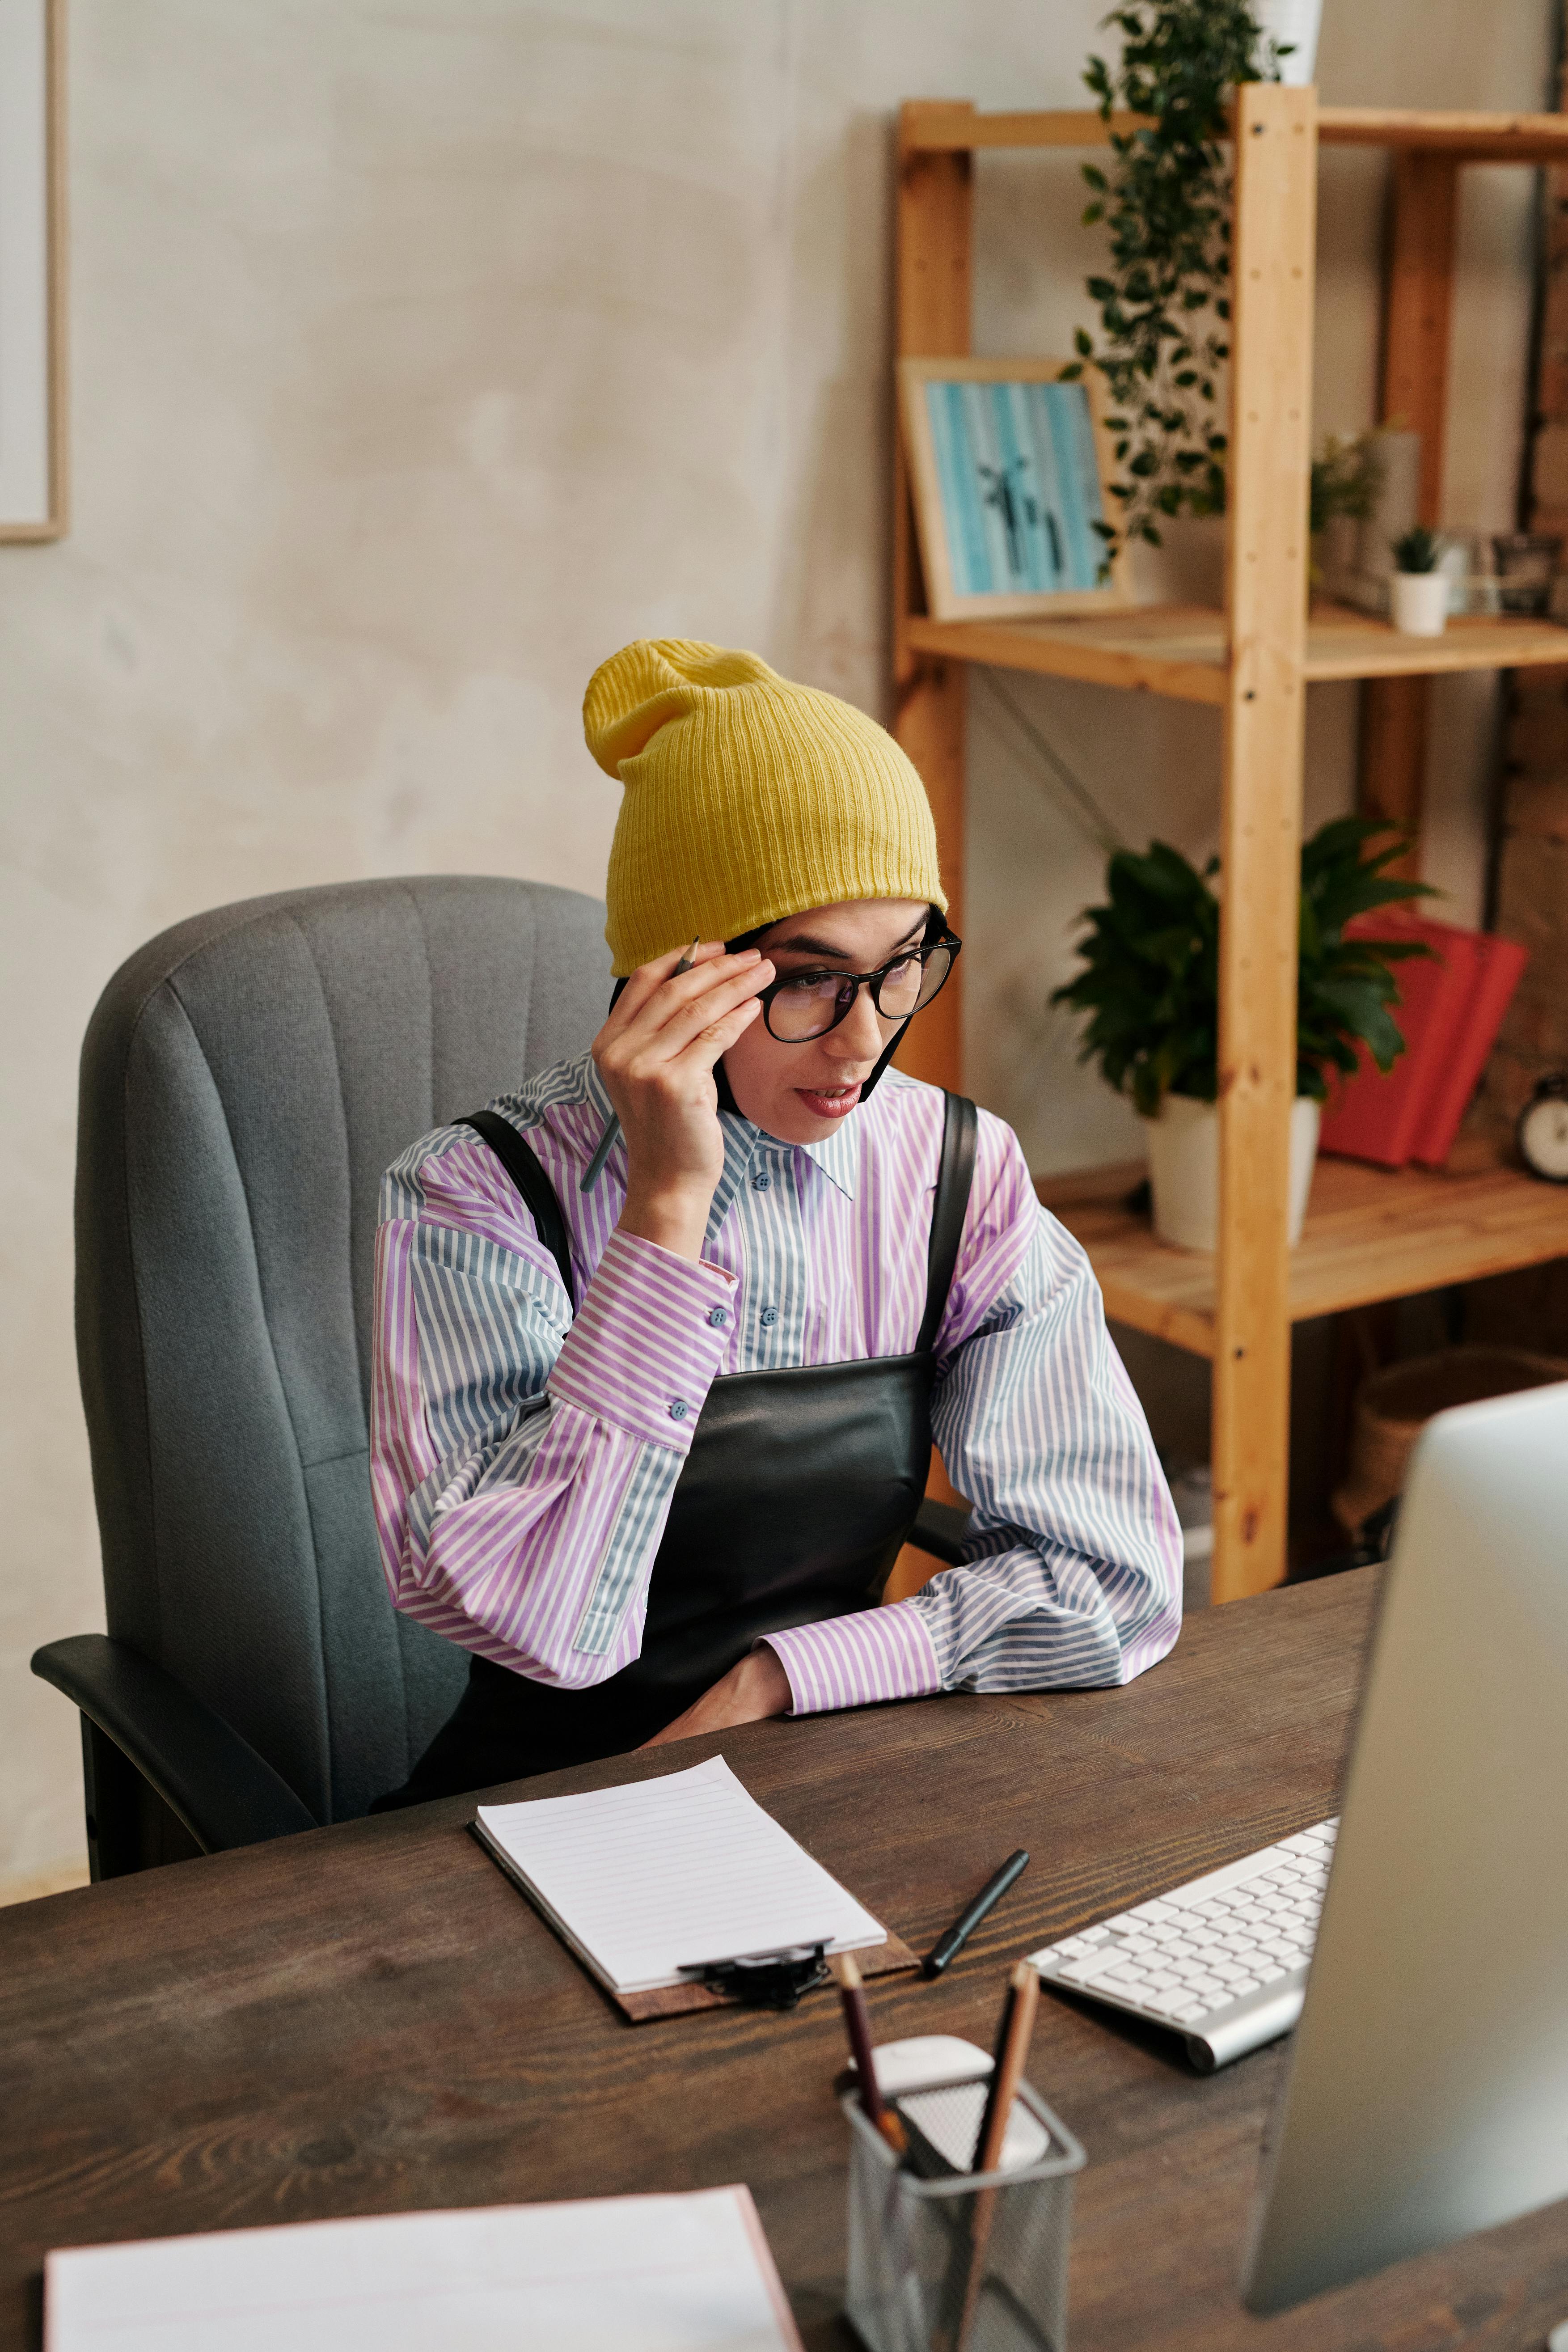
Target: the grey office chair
(244, 1080)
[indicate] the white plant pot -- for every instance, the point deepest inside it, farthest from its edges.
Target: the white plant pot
(1184, 1168)
(1296, 22)
(1420, 602)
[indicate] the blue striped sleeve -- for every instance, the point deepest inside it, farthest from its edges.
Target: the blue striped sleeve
(1075, 1572)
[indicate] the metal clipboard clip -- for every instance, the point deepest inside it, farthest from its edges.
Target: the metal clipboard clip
(764, 1980)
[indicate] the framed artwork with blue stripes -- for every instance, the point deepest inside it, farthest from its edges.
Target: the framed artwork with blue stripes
(1008, 472)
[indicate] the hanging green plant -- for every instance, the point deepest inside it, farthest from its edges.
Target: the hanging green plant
(1150, 975)
(1164, 305)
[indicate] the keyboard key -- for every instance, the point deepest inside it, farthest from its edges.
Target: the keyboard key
(1246, 1985)
(1191, 2014)
(1156, 1910)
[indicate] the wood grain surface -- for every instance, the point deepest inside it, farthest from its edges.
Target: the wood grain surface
(370, 2019)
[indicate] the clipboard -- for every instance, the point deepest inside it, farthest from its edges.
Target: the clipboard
(892, 1959)
(680, 1893)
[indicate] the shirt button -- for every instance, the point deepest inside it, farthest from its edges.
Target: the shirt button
(680, 1409)
(770, 1316)
(759, 1183)
(718, 1317)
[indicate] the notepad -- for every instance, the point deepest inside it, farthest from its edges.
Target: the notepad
(688, 2274)
(657, 1877)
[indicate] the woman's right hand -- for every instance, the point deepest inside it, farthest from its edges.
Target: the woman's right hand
(656, 1055)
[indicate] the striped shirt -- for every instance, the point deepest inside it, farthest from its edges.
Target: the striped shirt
(523, 1459)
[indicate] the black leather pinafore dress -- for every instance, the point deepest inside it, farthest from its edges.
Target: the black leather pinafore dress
(798, 1490)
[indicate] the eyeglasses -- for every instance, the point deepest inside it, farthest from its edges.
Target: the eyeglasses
(809, 1003)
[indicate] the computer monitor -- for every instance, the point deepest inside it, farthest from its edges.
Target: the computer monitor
(1428, 2090)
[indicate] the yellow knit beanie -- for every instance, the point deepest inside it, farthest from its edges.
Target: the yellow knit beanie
(747, 798)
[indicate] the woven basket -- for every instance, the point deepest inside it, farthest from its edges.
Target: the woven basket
(1392, 1406)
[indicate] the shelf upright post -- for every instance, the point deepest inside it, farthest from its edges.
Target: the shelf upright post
(931, 312)
(1261, 823)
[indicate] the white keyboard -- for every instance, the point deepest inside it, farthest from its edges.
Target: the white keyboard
(1222, 1959)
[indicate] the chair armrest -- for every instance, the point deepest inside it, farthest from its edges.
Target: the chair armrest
(940, 1528)
(211, 1779)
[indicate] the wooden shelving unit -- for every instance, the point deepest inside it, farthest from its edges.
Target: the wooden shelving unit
(1370, 1236)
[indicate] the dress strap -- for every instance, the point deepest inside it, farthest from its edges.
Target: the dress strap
(522, 1164)
(955, 1175)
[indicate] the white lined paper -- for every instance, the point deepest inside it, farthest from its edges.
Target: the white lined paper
(657, 1876)
(664, 2273)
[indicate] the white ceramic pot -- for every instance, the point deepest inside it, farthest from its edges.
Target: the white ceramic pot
(1296, 22)
(1184, 1168)
(1420, 602)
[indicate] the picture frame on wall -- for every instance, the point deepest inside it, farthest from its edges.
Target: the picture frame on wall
(32, 270)
(1009, 470)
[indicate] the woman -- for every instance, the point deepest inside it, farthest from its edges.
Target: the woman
(648, 1446)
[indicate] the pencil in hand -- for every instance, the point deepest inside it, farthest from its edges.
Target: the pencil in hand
(594, 1169)
(857, 2023)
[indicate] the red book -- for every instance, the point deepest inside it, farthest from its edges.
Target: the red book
(1499, 965)
(1380, 1118)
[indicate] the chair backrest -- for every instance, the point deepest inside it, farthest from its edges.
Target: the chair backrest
(245, 1079)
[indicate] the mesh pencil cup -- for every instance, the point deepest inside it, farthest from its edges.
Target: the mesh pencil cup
(960, 2261)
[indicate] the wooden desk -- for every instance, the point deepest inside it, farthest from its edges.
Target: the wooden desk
(369, 2018)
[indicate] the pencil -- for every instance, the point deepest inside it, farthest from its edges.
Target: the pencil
(1012, 2050)
(857, 2023)
(1007, 2074)
(594, 1169)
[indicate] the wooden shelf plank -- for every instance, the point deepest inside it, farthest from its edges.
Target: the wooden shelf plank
(1344, 644)
(945, 126)
(1179, 650)
(1466, 138)
(1372, 1233)
(1169, 649)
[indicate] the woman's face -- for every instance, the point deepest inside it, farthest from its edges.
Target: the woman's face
(800, 1093)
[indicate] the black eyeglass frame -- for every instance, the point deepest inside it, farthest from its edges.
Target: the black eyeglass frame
(850, 984)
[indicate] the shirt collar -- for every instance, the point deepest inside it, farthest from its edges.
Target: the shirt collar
(837, 1156)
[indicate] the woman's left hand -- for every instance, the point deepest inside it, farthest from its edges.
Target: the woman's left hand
(749, 1693)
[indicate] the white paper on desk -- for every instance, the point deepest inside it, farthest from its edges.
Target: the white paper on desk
(648, 1878)
(688, 2274)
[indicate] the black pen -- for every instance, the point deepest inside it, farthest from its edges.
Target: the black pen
(963, 1927)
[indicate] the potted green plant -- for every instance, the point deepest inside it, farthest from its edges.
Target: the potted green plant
(1420, 591)
(1164, 303)
(1150, 984)
(1345, 486)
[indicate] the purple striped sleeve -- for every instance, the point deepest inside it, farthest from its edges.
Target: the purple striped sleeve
(878, 1653)
(647, 1341)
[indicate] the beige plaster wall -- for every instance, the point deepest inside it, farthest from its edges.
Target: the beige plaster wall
(422, 353)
